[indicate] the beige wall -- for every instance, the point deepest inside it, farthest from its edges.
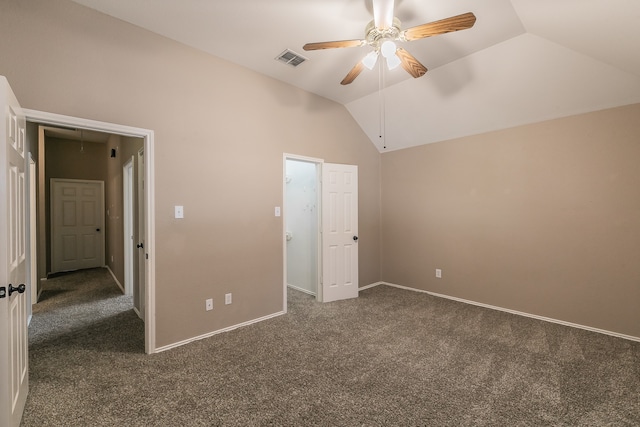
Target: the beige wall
(220, 132)
(542, 219)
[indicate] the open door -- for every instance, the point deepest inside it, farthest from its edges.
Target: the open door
(14, 373)
(339, 232)
(142, 238)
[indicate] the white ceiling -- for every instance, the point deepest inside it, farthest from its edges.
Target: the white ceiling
(524, 60)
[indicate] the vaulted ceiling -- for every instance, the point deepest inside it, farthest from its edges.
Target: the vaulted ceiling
(524, 61)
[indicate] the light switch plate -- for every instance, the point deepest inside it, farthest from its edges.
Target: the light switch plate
(277, 211)
(179, 212)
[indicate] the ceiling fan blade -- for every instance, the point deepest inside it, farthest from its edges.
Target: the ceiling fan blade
(333, 45)
(355, 71)
(383, 13)
(410, 63)
(447, 25)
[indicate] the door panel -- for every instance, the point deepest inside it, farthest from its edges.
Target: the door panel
(14, 357)
(77, 221)
(339, 232)
(141, 232)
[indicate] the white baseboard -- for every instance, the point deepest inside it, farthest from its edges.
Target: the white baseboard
(506, 310)
(371, 286)
(219, 331)
(306, 291)
(115, 278)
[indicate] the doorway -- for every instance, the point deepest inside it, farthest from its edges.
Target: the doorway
(57, 120)
(320, 228)
(302, 225)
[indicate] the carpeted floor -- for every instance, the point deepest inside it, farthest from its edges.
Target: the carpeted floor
(389, 358)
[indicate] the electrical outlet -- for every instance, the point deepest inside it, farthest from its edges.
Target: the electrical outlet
(227, 298)
(438, 273)
(209, 304)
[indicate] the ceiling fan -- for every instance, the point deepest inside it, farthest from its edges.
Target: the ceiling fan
(384, 31)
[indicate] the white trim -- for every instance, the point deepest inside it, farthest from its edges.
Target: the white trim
(219, 331)
(285, 157)
(115, 278)
(373, 285)
(148, 135)
(506, 310)
(306, 291)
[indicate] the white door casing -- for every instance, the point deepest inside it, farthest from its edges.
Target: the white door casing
(14, 376)
(33, 237)
(339, 232)
(77, 224)
(148, 199)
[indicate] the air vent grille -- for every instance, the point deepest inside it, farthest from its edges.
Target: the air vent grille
(291, 58)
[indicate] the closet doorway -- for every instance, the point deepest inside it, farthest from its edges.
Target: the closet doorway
(302, 228)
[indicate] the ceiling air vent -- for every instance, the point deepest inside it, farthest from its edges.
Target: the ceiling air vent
(291, 58)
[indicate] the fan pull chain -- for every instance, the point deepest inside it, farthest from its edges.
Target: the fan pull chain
(382, 132)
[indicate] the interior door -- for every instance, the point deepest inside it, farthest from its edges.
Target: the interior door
(77, 223)
(127, 208)
(14, 379)
(339, 232)
(142, 255)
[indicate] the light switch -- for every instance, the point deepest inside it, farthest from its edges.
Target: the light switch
(277, 210)
(179, 212)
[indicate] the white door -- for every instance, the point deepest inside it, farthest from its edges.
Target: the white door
(127, 204)
(339, 232)
(14, 379)
(142, 254)
(77, 224)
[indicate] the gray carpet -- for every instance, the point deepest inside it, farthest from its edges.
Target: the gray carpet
(389, 358)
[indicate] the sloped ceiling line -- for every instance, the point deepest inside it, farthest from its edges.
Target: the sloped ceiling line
(523, 61)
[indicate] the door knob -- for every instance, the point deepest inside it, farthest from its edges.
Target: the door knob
(355, 238)
(20, 289)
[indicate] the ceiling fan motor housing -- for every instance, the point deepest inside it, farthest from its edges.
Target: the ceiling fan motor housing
(374, 36)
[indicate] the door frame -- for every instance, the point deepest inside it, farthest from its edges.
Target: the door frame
(32, 265)
(45, 118)
(127, 214)
(318, 163)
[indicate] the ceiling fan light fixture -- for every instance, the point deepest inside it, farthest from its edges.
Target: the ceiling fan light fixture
(393, 61)
(370, 60)
(388, 48)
